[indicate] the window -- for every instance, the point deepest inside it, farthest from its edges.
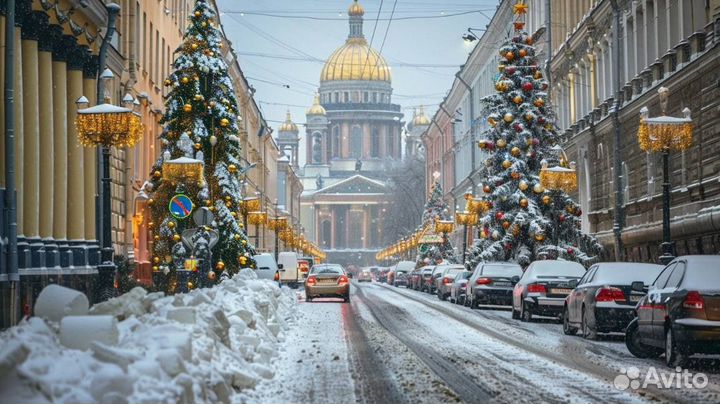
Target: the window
(375, 98)
(389, 144)
(663, 277)
(346, 97)
(144, 42)
(356, 143)
(356, 226)
(326, 233)
(366, 98)
(375, 143)
(149, 67)
(335, 142)
(676, 276)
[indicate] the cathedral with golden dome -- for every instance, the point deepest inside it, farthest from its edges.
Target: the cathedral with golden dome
(353, 135)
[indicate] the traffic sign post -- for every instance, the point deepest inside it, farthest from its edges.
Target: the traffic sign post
(180, 206)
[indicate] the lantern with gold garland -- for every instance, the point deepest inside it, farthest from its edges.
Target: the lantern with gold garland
(527, 213)
(436, 209)
(199, 160)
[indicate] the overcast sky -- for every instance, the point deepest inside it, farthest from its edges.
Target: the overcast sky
(283, 43)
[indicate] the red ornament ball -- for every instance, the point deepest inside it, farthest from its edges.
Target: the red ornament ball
(527, 86)
(522, 53)
(561, 218)
(578, 212)
(487, 189)
(510, 70)
(499, 216)
(570, 251)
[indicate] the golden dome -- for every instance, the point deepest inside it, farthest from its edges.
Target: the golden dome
(420, 118)
(288, 125)
(316, 108)
(355, 61)
(356, 9)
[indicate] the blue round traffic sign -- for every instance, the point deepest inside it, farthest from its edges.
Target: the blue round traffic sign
(180, 206)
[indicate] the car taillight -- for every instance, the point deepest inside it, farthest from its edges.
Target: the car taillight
(483, 281)
(311, 281)
(609, 294)
(277, 276)
(694, 301)
(342, 280)
(447, 281)
(535, 288)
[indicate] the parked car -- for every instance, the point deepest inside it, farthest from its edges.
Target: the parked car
(400, 273)
(603, 300)
(427, 272)
(492, 283)
(680, 315)
(543, 287)
(364, 276)
(289, 274)
(447, 276)
(382, 274)
(266, 267)
(415, 279)
(304, 265)
(457, 288)
(431, 283)
(327, 280)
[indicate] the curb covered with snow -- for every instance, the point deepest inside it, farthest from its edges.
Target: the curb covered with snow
(203, 346)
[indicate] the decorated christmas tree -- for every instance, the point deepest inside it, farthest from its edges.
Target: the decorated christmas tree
(526, 211)
(199, 166)
(435, 209)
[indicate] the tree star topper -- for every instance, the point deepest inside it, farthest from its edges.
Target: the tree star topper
(520, 8)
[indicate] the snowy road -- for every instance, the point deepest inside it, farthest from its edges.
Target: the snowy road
(398, 345)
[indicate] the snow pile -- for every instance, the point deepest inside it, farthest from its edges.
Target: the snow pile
(203, 346)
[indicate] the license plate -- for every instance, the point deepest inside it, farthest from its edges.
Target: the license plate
(635, 298)
(501, 284)
(560, 291)
(326, 280)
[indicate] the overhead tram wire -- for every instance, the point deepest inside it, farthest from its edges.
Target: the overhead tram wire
(372, 38)
(308, 17)
(387, 29)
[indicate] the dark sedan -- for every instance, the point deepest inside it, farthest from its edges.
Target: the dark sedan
(543, 287)
(680, 315)
(492, 283)
(458, 287)
(603, 300)
(427, 278)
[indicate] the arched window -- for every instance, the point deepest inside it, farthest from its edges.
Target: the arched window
(375, 143)
(356, 142)
(335, 142)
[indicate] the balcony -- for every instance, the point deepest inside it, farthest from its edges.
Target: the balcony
(361, 106)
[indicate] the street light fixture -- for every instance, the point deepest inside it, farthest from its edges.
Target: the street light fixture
(472, 36)
(663, 134)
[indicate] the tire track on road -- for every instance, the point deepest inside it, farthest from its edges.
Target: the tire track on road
(463, 385)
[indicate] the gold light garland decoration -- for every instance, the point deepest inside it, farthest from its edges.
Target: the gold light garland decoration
(559, 178)
(665, 133)
(257, 218)
(108, 125)
(466, 218)
(277, 223)
(444, 226)
(250, 204)
(183, 169)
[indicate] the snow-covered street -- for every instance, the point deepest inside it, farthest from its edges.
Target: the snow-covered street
(396, 345)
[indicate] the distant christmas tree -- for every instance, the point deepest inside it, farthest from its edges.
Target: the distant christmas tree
(435, 209)
(525, 221)
(200, 157)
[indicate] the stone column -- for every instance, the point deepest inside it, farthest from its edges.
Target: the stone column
(47, 150)
(90, 70)
(75, 159)
(19, 135)
(31, 144)
(2, 107)
(59, 96)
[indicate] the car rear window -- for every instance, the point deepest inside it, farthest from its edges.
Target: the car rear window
(327, 269)
(501, 270)
(464, 275)
(558, 268)
(627, 274)
(453, 272)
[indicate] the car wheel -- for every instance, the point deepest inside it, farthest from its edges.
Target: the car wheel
(587, 331)
(567, 328)
(634, 344)
(347, 299)
(474, 304)
(515, 314)
(308, 299)
(525, 313)
(674, 356)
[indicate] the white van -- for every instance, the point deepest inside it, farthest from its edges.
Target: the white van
(288, 264)
(266, 267)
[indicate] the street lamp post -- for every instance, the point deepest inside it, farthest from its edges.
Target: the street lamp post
(664, 134)
(107, 126)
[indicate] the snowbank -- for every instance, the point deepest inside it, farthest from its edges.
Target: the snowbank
(203, 346)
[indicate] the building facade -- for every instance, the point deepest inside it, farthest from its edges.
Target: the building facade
(662, 43)
(353, 134)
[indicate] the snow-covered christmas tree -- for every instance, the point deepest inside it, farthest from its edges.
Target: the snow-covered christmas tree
(524, 221)
(435, 209)
(199, 160)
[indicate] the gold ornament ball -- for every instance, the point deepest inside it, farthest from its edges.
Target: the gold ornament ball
(501, 143)
(224, 122)
(509, 56)
(168, 259)
(203, 24)
(243, 260)
(522, 53)
(515, 151)
(244, 242)
(156, 260)
(151, 201)
(151, 224)
(492, 122)
(187, 108)
(241, 226)
(213, 103)
(523, 185)
(211, 275)
(190, 285)
(157, 174)
(176, 237)
(487, 189)
(194, 46)
(538, 188)
(508, 117)
(232, 168)
(546, 199)
(155, 268)
(171, 225)
(570, 209)
(228, 198)
(185, 80)
(539, 237)
(524, 203)
(539, 102)
(168, 82)
(236, 237)
(228, 204)
(156, 237)
(198, 146)
(517, 99)
(220, 266)
(233, 214)
(506, 164)
(515, 175)
(198, 97)
(198, 14)
(538, 75)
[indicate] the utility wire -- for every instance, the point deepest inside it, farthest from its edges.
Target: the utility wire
(307, 17)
